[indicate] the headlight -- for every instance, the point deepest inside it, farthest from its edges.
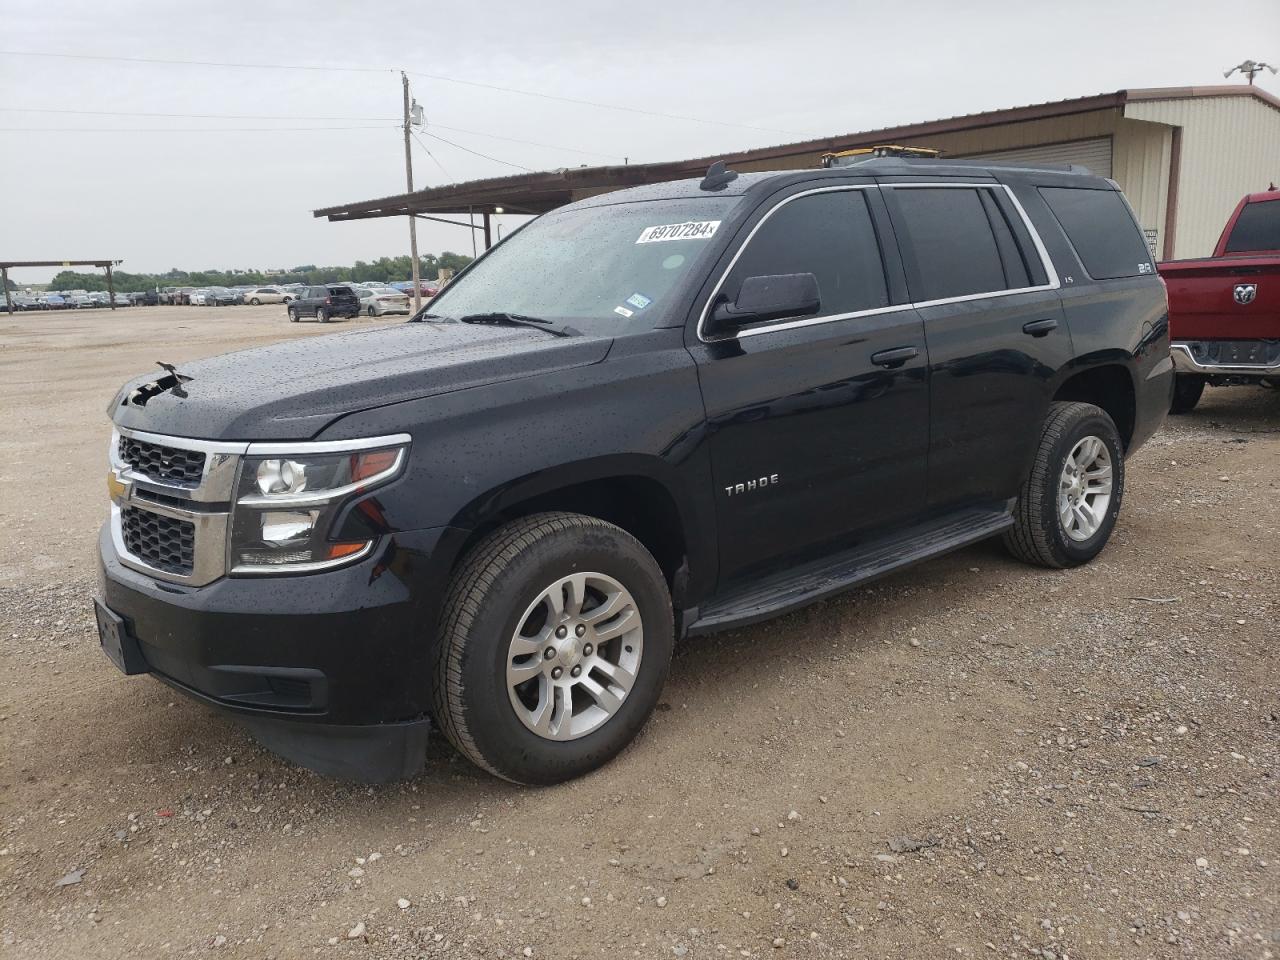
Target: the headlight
(288, 499)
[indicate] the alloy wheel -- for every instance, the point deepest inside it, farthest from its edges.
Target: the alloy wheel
(574, 656)
(1084, 489)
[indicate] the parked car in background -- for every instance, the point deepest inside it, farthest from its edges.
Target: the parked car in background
(1224, 310)
(53, 301)
(377, 301)
(257, 295)
(221, 297)
(122, 300)
(426, 288)
(325, 302)
(22, 301)
(100, 298)
(83, 302)
(197, 297)
(145, 298)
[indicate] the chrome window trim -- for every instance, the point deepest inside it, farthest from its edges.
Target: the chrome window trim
(1054, 281)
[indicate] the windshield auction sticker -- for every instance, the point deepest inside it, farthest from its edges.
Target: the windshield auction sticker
(689, 230)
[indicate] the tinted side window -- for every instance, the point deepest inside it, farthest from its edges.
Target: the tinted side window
(830, 235)
(1102, 231)
(1257, 228)
(953, 248)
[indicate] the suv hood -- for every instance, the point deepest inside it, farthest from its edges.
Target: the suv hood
(293, 390)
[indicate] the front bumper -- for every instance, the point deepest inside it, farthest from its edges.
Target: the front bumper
(1204, 357)
(330, 669)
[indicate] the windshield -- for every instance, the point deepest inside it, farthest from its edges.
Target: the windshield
(605, 269)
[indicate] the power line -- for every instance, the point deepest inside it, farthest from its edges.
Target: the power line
(423, 144)
(183, 116)
(528, 143)
(179, 129)
(430, 76)
(327, 68)
(478, 153)
(597, 103)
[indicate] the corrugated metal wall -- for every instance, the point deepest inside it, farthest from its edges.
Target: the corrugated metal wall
(1230, 147)
(1140, 164)
(1094, 154)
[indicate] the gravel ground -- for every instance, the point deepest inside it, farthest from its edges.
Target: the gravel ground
(974, 758)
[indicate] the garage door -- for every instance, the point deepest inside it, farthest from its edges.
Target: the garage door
(1094, 154)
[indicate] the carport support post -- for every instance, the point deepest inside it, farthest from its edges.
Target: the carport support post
(487, 242)
(111, 289)
(4, 279)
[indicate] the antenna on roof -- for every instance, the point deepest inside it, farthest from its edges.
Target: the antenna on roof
(1250, 69)
(718, 177)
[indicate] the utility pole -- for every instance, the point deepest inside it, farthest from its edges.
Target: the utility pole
(408, 175)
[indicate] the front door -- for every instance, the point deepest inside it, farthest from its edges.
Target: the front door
(818, 424)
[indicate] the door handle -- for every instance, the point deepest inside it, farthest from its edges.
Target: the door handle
(1040, 328)
(895, 357)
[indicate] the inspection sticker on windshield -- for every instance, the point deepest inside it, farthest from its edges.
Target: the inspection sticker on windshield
(639, 301)
(689, 230)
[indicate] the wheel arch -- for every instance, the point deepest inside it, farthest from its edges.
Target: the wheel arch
(1109, 385)
(639, 494)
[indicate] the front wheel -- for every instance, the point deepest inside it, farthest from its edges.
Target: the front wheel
(1068, 506)
(1187, 389)
(256, 302)
(555, 642)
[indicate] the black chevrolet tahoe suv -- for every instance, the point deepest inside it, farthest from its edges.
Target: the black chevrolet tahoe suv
(647, 415)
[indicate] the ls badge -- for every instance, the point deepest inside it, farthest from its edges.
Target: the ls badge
(1245, 293)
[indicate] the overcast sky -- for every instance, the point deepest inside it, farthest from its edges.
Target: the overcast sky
(207, 193)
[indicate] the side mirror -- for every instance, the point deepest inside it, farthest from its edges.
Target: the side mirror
(768, 298)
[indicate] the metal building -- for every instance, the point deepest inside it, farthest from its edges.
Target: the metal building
(1183, 155)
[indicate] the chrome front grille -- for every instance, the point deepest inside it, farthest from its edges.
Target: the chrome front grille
(171, 504)
(163, 543)
(168, 465)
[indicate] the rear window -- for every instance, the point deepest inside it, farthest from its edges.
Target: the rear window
(1102, 231)
(1257, 228)
(952, 249)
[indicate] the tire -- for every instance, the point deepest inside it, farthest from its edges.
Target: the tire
(321, 315)
(1187, 389)
(255, 302)
(372, 312)
(1040, 535)
(497, 592)
(293, 315)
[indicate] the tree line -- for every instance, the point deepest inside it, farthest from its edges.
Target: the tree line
(382, 270)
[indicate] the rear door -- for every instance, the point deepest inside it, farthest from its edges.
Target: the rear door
(995, 330)
(818, 425)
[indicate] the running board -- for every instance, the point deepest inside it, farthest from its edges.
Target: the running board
(800, 586)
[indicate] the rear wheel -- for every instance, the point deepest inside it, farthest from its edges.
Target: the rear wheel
(322, 316)
(1187, 389)
(555, 643)
(1068, 506)
(372, 311)
(293, 315)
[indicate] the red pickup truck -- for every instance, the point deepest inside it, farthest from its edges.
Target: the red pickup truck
(1224, 310)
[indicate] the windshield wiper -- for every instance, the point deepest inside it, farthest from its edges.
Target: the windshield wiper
(521, 320)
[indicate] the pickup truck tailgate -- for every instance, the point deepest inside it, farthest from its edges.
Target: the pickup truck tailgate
(1203, 302)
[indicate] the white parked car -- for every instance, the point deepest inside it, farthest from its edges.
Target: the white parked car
(199, 298)
(376, 301)
(258, 295)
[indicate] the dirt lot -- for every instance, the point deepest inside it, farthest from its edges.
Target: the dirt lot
(971, 759)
